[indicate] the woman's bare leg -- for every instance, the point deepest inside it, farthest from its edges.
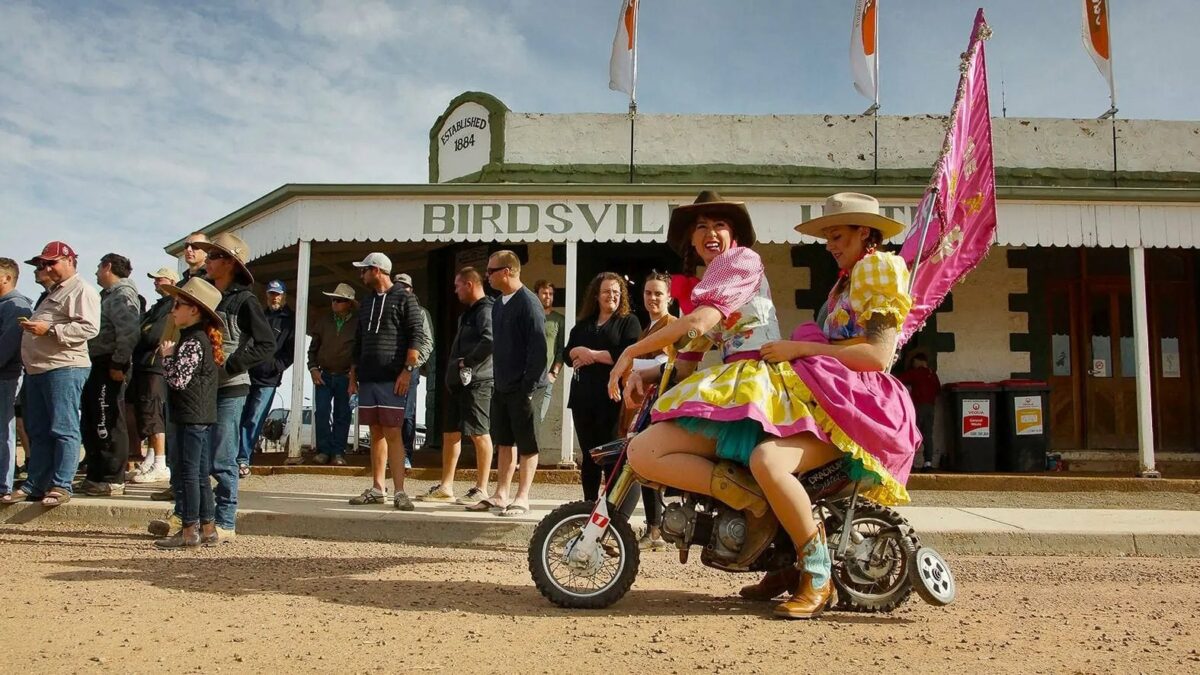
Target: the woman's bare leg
(665, 453)
(774, 464)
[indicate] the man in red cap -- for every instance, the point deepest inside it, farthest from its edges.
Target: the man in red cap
(54, 349)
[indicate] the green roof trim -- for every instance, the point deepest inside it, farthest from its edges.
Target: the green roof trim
(497, 114)
(814, 191)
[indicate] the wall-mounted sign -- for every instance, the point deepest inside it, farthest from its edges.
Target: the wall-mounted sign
(464, 141)
(976, 418)
(1028, 416)
(1170, 358)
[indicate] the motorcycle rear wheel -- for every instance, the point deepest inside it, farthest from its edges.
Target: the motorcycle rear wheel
(881, 583)
(559, 582)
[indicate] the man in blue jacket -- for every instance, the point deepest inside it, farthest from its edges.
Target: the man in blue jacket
(266, 376)
(14, 307)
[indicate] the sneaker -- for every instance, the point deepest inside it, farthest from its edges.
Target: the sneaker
(436, 494)
(370, 496)
(225, 536)
(648, 544)
(338, 460)
(472, 497)
(402, 503)
(320, 458)
(155, 475)
(167, 495)
(93, 489)
(161, 527)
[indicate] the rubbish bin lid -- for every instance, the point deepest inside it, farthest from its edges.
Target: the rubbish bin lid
(972, 386)
(1024, 385)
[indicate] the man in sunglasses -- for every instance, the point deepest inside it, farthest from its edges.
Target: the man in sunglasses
(54, 350)
(194, 256)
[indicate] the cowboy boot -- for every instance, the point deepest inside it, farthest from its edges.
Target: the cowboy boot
(773, 584)
(816, 591)
(186, 537)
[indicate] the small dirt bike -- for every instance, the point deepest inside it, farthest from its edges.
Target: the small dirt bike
(585, 554)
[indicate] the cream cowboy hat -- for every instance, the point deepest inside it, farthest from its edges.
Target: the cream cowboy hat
(342, 292)
(232, 246)
(851, 208)
(202, 294)
(709, 202)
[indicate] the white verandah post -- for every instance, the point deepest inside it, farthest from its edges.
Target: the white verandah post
(299, 354)
(567, 453)
(1141, 345)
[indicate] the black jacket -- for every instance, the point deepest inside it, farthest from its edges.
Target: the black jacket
(518, 342)
(389, 324)
(473, 344)
(255, 339)
(269, 373)
(196, 402)
(153, 327)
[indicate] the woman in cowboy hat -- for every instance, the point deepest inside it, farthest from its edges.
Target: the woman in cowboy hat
(190, 368)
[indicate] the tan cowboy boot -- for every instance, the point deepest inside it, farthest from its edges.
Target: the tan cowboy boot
(816, 591)
(773, 584)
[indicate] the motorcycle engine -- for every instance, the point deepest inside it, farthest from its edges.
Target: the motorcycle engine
(720, 530)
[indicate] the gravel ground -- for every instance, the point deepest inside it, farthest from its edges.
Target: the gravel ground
(1176, 501)
(106, 601)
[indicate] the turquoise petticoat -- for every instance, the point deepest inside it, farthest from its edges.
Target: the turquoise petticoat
(735, 440)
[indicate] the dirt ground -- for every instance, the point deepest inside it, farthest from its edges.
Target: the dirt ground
(105, 601)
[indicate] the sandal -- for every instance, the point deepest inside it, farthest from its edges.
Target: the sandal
(243, 470)
(56, 497)
(17, 496)
(482, 506)
(513, 510)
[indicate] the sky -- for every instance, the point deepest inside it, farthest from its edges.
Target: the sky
(126, 125)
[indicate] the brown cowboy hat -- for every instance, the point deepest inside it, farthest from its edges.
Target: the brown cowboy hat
(232, 246)
(202, 294)
(851, 208)
(709, 203)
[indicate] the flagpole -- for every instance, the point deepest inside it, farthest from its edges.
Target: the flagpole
(637, 9)
(875, 107)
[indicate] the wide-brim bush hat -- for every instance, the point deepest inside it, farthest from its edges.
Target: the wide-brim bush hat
(709, 203)
(200, 293)
(341, 292)
(851, 208)
(232, 246)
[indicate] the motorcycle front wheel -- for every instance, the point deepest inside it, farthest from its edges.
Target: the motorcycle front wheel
(582, 584)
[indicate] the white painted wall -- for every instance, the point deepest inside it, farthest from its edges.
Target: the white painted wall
(842, 141)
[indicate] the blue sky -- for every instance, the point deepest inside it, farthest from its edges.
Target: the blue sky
(125, 125)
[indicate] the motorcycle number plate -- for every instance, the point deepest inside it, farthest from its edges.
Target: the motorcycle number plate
(599, 520)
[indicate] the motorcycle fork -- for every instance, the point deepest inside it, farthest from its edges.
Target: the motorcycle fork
(588, 544)
(844, 533)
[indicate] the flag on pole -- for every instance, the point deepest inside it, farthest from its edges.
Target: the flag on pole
(622, 68)
(1096, 41)
(956, 222)
(864, 57)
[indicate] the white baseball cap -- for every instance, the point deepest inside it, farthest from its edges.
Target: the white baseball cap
(378, 260)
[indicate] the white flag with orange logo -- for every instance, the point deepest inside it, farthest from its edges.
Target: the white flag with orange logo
(864, 57)
(1096, 40)
(622, 69)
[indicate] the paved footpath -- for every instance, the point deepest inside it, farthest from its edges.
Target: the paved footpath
(327, 515)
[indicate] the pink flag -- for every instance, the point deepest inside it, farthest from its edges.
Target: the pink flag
(959, 205)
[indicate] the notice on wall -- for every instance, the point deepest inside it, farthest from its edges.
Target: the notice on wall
(1028, 413)
(976, 418)
(1060, 350)
(1170, 358)
(1099, 368)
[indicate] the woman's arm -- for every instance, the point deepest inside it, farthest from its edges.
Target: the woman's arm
(874, 355)
(697, 322)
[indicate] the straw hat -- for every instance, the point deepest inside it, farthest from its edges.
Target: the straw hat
(709, 203)
(851, 208)
(202, 294)
(342, 292)
(232, 246)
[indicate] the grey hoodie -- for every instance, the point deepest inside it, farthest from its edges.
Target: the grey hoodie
(120, 325)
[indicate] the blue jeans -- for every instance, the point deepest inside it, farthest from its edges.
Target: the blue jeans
(541, 398)
(332, 416)
(223, 450)
(258, 404)
(8, 433)
(195, 498)
(408, 432)
(51, 410)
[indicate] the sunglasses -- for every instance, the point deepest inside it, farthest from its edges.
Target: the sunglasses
(192, 246)
(340, 301)
(182, 303)
(493, 270)
(47, 264)
(217, 255)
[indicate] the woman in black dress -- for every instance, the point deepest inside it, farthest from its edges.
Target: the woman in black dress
(603, 329)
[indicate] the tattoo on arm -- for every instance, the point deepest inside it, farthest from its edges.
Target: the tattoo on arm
(881, 332)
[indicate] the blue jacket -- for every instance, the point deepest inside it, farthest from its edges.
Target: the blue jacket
(13, 306)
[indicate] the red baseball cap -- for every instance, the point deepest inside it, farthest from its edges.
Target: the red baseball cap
(53, 251)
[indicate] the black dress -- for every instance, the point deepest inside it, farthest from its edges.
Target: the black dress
(594, 413)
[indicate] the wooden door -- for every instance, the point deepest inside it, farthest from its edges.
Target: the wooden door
(1110, 397)
(1172, 361)
(1064, 318)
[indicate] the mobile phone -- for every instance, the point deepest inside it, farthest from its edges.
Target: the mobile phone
(21, 319)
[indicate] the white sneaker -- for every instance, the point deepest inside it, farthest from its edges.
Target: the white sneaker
(156, 475)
